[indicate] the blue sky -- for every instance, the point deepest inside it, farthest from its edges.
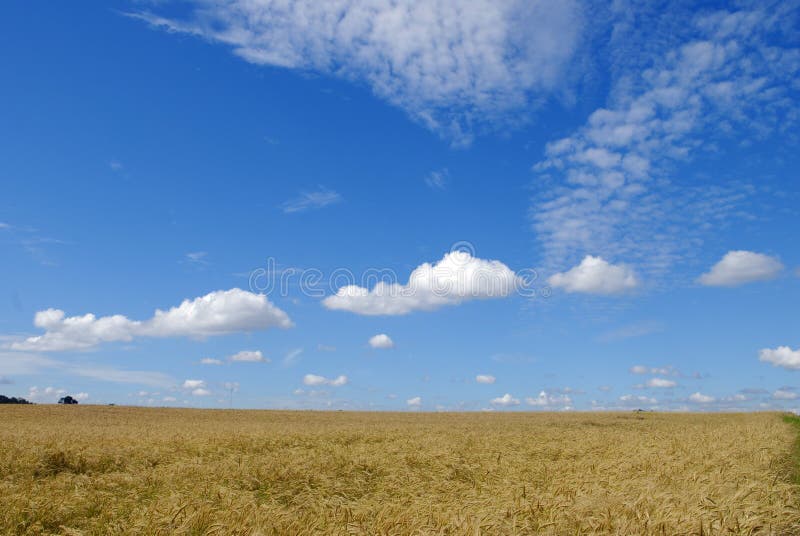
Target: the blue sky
(571, 207)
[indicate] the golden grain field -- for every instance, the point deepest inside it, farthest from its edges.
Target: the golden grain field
(116, 470)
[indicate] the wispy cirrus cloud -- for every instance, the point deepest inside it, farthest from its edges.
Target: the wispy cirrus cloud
(311, 200)
(197, 258)
(29, 364)
(630, 331)
(608, 188)
(437, 180)
(455, 67)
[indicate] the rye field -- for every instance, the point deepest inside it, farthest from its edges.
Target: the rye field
(119, 470)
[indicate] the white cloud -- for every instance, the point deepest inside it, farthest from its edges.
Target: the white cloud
(607, 186)
(170, 399)
(700, 398)
(381, 341)
(485, 378)
(505, 400)
(437, 180)
(23, 363)
(782, 356)
(664, 371)
(660, 383)
(451, 66)
(313, 379)
(217, 313)
(197, 257)
(630, 331)
(415, 402)
(740, 267)
(210, 361)
(47, 394)
(311, 200)
(784, 394)
(193, 384)
(292, 356)
(595, 276)
(200, 391)
(81, 396)
(457, 277)
(634, 400)
(545, 399)
(249, 356)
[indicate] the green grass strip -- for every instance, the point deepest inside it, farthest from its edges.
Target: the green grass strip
(794, 420)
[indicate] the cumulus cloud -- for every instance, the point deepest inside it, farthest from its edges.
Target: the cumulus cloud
(451, 66)
(313, 379)
(782, 356)
(48, 394)
(196, 387)
(414, 402)
(457, 277)
(249, 356)
(594, 275)
(740, 267)
(505, 400)
(700, 398)
(545, 399)
(311, 200)
(660, 383)
(785, 394)
(382, 341)
(210, 361)
(81, 397)
(485, 378)
(217, 313)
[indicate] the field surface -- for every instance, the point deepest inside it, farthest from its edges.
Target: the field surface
(115, 470)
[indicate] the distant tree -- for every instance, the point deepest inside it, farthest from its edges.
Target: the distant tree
(12, 400)
(67, 400)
